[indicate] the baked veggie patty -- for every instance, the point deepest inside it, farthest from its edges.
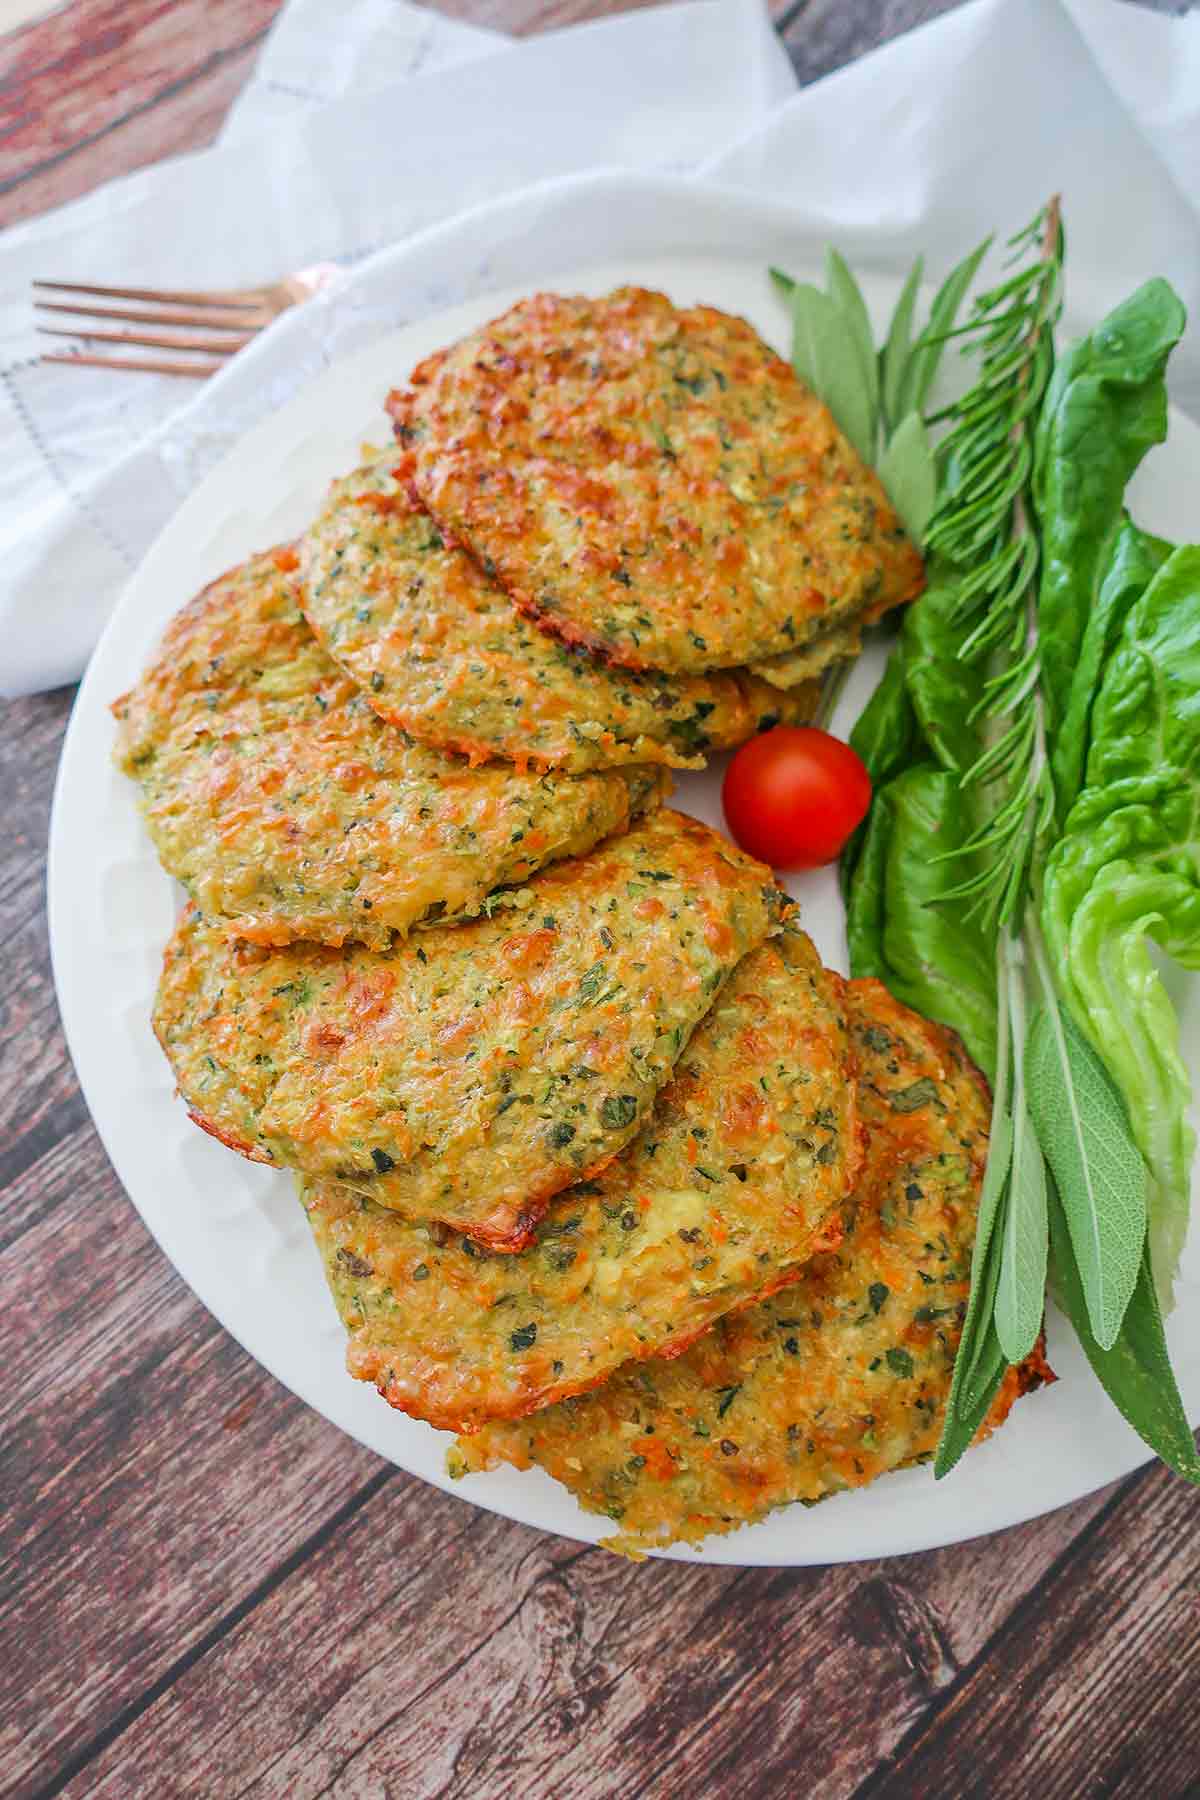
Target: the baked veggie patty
(288, 810)
(737, 1174)
(440, 651)
(471, 1072)
(653, 483)
(836, 1380)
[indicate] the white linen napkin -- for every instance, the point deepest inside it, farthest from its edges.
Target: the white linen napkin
(316, 53)
(88, 475)
(963, 125)
(968, 123)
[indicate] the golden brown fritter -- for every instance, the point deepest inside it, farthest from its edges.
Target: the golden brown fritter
(470, 1072)
(652, 483)
(736, 1176)
(839, 1378)
(799, 671)
(439, 651)
(288, 810)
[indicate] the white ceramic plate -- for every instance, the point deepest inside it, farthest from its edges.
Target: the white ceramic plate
(235, 1231)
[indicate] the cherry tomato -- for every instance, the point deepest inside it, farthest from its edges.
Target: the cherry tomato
(793, 795)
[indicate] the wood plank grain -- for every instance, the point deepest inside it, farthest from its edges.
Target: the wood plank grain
(186, 119)
(152, 1475)
(71, 78)
(38, 1096)
(823, 35)
(428, 1651)
(1090, 1688)
(104, 87)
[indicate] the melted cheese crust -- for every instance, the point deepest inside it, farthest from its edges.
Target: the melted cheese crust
(736, 1176)
(439, 650)
(471, 1072)
(289, 810)
(651, 483)
(839, 1378)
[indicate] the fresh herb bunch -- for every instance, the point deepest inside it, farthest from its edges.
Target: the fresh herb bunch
(876, 395)
(984, 530)
(1014, 861)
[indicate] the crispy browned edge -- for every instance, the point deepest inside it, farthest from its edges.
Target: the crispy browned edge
(397, 406)
(466, 1426)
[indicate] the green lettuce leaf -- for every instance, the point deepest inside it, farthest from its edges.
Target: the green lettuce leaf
(1126, 876)
(1147, 711)
(1100, 943)
(888, 740)
(865, 890)
(886, 735)
(942, 689)
(931, 957)
(1134, 558)
(1105, 407)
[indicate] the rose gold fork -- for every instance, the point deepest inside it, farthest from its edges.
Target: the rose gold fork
(225, 318)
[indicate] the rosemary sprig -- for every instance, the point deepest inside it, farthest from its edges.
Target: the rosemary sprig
(983, 526)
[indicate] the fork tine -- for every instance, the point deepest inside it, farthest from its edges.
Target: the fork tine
(145, 365)
(247, 321)
(155, 340)
(231, 297)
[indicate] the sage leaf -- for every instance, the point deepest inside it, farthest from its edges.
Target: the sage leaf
(1082, 1126)
(1021, 1289)
(783, 284)
(927, 354)
(964, 1416)
(980, 1363)
(824, 356)
(1135, 1371)
(909, 474)
(846, 295)
(896, 355)
(985, 1258)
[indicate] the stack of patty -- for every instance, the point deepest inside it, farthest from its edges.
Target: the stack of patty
(655, 485)
(565, 1085)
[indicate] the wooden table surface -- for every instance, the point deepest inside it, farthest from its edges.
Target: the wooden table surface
(206, 1590)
